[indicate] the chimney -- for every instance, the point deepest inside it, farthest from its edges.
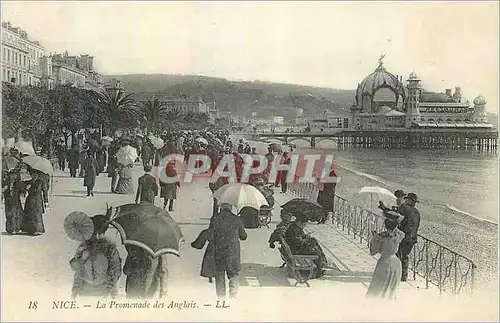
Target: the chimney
(448, 92)
(457, 97)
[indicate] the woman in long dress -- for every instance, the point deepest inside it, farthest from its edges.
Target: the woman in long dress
(12, 199)
(125, 185)
(34, 206)
(387, 274)
(302, 244)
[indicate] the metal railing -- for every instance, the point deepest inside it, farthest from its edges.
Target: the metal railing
(448, 270)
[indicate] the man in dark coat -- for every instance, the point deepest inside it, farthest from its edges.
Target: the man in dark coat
(146, 154)
(73, 161)
(326, 198)
(91, 170)
(147, 189)
(144, 274)
(227, 232)
(61, 155)
(409, 226)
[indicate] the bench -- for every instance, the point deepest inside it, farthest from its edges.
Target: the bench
(297, 264)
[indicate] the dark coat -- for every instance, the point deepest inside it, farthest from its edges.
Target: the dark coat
(12, 200)
(74, 158)
(227, 231)
(146, 152)
(147, 189)
(33, 209)
(410, 223)
(140, 268)
(91, 169)
(207, 265)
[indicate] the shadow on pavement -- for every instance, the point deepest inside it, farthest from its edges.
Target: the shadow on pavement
(259, 275)
(18, 234)
(97, 192)
(193, 223)
(83, 195)
(347, 276)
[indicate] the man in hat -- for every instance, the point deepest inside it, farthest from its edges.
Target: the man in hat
(400, 197)
(409, 225)
(227, 230)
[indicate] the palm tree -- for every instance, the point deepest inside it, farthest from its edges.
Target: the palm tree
(153, 110)
(117, 110)
(172, 119)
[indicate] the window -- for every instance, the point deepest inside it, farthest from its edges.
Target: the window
(8, 55)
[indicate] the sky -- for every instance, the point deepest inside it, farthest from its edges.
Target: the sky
(328, 44)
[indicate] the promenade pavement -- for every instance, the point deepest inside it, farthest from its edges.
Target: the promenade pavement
(37, 269)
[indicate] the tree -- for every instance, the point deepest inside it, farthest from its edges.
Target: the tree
(117, 110)
(22, 112)
(153, 111)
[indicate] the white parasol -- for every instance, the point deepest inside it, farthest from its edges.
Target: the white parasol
(25, 148)
(373, 194)
(127, 155)
(240, 196)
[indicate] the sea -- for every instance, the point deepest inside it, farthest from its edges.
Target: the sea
(457, 191)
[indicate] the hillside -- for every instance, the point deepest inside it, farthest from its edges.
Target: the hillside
(242, 98)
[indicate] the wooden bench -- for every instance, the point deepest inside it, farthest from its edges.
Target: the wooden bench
(298, 264)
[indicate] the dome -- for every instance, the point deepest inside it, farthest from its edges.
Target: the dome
(413, 76)
(376, 80)
(479, 100)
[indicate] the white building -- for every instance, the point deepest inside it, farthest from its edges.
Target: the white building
(384, 102)
(20, 56)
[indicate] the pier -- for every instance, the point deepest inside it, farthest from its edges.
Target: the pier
(470, 139)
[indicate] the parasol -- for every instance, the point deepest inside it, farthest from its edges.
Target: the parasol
(126, 155)
(149, 227)
(240, 196)
(78, 226)
(39, 163)
(368, 195)
(157, 142)
(202, 141)
(305, 209)
(25, 148)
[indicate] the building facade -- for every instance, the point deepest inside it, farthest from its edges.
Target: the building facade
(383, 102)
(20, 56)
(186, 105)
(24, 63)
(77, 71)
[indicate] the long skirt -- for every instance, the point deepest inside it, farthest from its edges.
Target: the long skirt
(168, 191)
(125, 186)
(33, 215)
(13, 214)
(386, 277)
